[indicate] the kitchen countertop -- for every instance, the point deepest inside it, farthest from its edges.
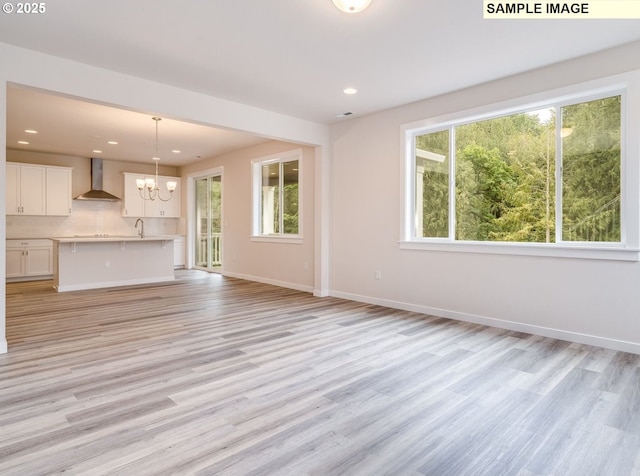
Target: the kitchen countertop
(116, 238)
(28, 238)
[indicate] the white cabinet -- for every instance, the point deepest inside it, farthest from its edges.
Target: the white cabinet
(29, 258)
(132, 202)
(58, 198)
(135, 206)
(160, 208)
(38, 190)
(25, 189)
(179, 253)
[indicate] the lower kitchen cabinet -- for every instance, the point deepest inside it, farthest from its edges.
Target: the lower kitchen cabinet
(179, 252)
(29, 259)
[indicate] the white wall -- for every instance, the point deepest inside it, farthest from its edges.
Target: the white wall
(51, 73)
(3, 230)
(591, 301)
(277, 263)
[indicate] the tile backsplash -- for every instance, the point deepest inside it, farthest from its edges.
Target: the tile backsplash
(88, 218)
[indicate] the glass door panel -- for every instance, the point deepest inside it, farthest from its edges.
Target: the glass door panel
(208, 236)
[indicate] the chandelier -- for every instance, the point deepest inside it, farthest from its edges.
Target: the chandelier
(149, 188)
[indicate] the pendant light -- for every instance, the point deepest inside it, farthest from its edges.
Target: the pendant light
(149, 188)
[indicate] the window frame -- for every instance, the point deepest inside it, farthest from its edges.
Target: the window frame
(626, 250)
(256, 166)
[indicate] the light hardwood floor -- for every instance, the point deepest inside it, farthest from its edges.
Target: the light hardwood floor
(218, 376)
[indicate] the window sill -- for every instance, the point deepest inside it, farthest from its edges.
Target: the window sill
(599, 252)
(293, 239)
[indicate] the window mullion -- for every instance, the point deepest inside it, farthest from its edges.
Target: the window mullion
(452, 183)
(281, 198)
(558, 133)
(412, 204)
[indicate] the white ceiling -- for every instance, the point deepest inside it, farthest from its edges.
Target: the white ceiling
(296, 56)
(68, 126)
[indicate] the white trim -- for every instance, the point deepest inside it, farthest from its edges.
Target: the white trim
(113, 284)
(322, 206)
(525, 249)
(213, 171)
(587, 339)
(20, 279)
(3, 346)
(273, 282)
(290, 239)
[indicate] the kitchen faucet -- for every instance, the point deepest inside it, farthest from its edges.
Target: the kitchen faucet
(141, 231)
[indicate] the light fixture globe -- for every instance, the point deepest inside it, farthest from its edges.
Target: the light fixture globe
(351, 6)
(148, 187)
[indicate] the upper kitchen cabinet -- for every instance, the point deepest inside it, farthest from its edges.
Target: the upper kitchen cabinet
(38, 189)
(160, 208)
(135, 206)
(25, 189)
(132, 202)
(58, 201)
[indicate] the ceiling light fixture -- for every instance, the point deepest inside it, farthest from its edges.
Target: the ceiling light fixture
(351, 6)
(31, 131)
(350, 91)
(96, 151)
(112, 142)
(149, 189)
(23, 142)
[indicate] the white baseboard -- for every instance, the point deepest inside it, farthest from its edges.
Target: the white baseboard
(614, 344)
(274, 282)
(3, 346)
(112, 284)
(30, 278)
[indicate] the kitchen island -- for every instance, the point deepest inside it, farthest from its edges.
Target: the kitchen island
(91, 262)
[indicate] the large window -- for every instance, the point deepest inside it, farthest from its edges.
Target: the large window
(277, 196)
(550, 175)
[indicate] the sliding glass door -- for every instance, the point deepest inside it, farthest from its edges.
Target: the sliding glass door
(208, 236)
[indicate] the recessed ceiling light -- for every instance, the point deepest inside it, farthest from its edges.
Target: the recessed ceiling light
(23, 142)
(97, 152)
(30, 131)
(176, 151)
(344, 114)
(112, 142)
(350, 91)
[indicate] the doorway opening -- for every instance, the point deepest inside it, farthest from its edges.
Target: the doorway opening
(208, 235)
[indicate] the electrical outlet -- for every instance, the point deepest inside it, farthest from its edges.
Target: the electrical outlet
(107, 264)
(378, 274)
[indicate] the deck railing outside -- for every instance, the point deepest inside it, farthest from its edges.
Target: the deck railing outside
(209, 248)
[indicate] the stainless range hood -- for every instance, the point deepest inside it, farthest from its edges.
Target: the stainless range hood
(96, 192)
